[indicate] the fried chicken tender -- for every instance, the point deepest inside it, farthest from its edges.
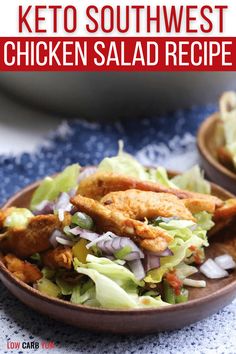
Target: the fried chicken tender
(139, 205)
(227, 211)
(99, 184)
(197, 205)
(24, 242)
(151, 238)
(25, 271)
(60, 257)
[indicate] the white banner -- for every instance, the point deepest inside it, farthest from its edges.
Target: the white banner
(117, 18)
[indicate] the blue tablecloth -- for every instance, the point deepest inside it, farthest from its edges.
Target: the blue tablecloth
(167, 140)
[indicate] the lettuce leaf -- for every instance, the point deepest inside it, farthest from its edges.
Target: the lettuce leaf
(204, 220)
(108, 293)
(193, 180)
(123, 164)
(149, 301)
(50, 188)
(118, 273)
(126, 164)
(160, 175)
(115, 286)
(65, 287)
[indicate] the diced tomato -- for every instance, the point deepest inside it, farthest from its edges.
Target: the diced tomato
(198, 254)
(198, 257)
(174, 282)
(192, 248)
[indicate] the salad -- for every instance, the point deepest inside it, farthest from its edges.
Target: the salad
(118, 235)
(227, 152)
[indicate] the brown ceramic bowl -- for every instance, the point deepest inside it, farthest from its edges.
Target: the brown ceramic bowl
(203, 302)
(209, 140)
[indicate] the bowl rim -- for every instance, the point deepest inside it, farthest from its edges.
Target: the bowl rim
(107, 311)
(204, 126)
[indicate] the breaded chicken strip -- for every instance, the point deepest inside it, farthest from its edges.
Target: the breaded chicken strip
(60, 257)
(197, 205)
(25, 271)
(149, 237)
(227, 211)
(24, 242)
(139, 205)
(99, 184)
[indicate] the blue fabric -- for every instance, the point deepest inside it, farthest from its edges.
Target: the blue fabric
(88, 143)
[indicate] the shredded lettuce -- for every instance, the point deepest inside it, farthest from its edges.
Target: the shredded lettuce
(118, 273)
(176, 224)
(184, 270)
(80, 296)
(48, 272)
(160, 175)
(149, 301)
(115, 286)
(123, 164)
(108, 293)
(126, 164)
(185, 235)
(50, 188)
(76, 293)
(204, 220)
(65, 287)
(193, 180)
(18, 217)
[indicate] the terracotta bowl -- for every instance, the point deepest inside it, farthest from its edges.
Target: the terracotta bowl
(209, 139)
(203, 302)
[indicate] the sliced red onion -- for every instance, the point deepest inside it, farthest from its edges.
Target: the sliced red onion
(116, 244)
(87, 171)
(61, 215)
(43, 208)
(104, 237)
(64, 242)
(88, 235)
(58, 237)
(76, 231)
(225, 261)
(63, 202)
(137, 268)
(165, 253)
(72, 192)
(211, 270)
(52, 239)
(151, 261)
(113, 243)
(132, 256)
